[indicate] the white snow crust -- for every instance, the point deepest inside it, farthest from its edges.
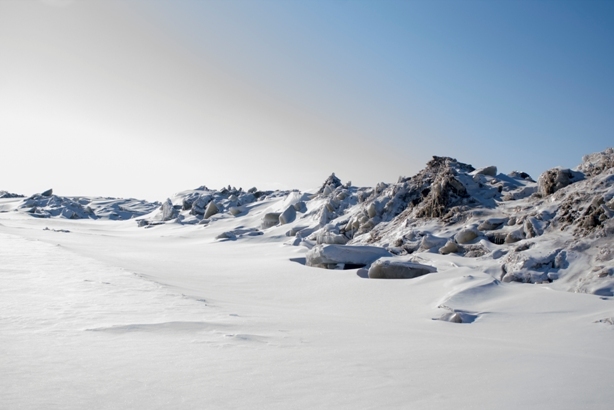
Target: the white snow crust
(125, 304)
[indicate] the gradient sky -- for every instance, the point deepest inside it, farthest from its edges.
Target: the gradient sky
(147, 98)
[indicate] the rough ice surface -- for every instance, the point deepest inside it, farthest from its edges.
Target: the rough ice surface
(124, 303)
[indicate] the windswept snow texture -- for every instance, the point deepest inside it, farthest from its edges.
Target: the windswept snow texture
(498, 293)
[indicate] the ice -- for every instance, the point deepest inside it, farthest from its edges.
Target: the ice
(330, 256)
(388, 268)
(105, 303)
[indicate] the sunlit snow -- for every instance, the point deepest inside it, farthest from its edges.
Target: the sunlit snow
(247, 299)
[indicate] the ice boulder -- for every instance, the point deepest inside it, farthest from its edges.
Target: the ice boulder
(597, 163)
(520, 193)
(520, 175)
(514, 236)
(372, 210)
(300, 207)
(296, 229)
(168, 211)
(554, 179)
(270, 219)
(490, 171)
(466, 235)
(188, 200)
(449, 247)
(287, 216)
(326, 237)
(344, 256)
(211, 210)
(234, 210)
(227, 235)
(430, 241)
(199, 205)
(535, 266)
(392, 269)
(457, 316)
(492, 224)
(247, 198)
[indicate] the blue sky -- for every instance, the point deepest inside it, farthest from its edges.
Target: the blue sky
(472, 75)
(281, 93)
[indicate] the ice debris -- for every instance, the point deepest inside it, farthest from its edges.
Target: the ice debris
(556, 231)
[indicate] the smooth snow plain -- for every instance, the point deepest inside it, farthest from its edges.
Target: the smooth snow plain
(100, 314)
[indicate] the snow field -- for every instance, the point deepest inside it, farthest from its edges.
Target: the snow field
(121, 317)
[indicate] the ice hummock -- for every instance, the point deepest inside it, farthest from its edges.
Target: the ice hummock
(183, 306)
(517, 226)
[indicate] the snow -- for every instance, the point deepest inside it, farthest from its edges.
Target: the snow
(147, 307)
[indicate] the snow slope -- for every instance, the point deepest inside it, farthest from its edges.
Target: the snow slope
(183, 312)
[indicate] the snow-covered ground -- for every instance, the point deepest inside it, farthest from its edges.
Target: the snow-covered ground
(178, 311)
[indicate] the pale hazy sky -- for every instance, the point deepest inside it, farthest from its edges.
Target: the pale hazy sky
(147, 98)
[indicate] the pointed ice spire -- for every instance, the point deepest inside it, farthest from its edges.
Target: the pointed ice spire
(332, 181)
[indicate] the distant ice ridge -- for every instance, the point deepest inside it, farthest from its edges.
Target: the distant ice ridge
(203, 205)
(6, 194)
(48, 205)
(555, 230)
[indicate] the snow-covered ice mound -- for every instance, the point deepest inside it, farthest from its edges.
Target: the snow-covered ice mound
(6, 194)
(48, 205)
(555, 230)
(207, 305)
(527, 231)
(203, 205)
